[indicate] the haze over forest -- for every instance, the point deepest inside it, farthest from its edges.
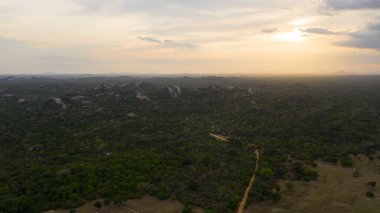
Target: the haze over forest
(250, 37)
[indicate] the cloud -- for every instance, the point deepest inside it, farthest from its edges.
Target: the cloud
(272, 30)
(144, 5)
(352, 4)
(288, 8)
(320, 31)
(178, 17)
(6, 42)
(366, 39)
(168, 43)
(375, 26)
(149, 39)
(129, 32)
(175, 44)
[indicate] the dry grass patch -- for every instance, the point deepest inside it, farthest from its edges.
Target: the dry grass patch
(335, 191)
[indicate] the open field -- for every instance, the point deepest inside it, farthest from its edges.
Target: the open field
(335, 191)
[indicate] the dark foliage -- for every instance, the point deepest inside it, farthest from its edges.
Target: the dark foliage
(108, 144)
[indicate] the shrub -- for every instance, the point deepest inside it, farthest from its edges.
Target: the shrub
(278, 188)
(266, 173)
(346, 162)
(98, 204)
(187, 210)
(370, 194)
(309, 174)
(289, 186)
(371, 184)
(356, 174)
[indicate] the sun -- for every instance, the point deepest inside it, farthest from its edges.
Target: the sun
(295, 35)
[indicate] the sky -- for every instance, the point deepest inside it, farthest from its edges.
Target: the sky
(217, 37)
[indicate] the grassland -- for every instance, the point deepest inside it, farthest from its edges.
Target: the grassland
(335, 191)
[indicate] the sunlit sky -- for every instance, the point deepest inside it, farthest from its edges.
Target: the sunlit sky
(190, 37)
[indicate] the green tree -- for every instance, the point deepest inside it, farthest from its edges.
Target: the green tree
(370, 194)
(346, 161)
(187, 210)
(290, 186)
(266, 173)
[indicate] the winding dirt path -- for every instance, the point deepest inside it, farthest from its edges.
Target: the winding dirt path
(219, 137)
(248, 189)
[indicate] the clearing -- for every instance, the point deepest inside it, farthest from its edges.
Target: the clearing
(335, 191)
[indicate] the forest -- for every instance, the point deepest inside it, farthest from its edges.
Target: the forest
(68, 140)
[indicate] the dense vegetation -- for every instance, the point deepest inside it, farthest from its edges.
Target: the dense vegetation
(105, 142)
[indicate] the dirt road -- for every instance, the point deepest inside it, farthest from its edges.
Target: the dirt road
(219, 137)
(248, 189)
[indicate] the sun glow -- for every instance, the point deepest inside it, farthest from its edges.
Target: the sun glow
(293, 36)
(300, 22)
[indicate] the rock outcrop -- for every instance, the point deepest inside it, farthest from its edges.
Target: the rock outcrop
(254, 90)
(59, 102)
(142, 97)
(175, 91)
(132, 115)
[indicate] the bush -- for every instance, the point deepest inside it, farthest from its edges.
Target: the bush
(356, 174)
(304, 173)
(278, 188)
(187, 210)
(309, 174)
(98, 204)
(289, 186)
(370, 194)
(346, 162)
(266, 173)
